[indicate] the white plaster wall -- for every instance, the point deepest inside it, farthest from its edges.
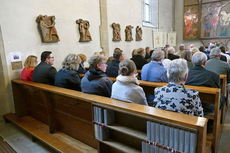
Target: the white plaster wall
(166, 15)
(179, 17)
(129, 12)
(20, 33)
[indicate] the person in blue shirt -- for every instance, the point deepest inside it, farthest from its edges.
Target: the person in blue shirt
(154, 71)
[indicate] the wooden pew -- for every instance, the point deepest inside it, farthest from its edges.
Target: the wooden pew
(73, 113)
(207, 95)
(223, 84)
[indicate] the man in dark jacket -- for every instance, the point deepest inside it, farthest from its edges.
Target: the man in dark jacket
(95, 80)
(139, 59)
(171, 54)
(44, 72)
(199, 76)
(113, 67)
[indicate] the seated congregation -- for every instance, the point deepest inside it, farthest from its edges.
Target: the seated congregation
(188, 66)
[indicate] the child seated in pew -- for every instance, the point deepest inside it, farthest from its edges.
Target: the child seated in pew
(68, 76)
(29, 65)
(126, 87)
(174, 96)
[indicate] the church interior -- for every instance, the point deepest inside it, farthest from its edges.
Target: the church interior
(37, 117)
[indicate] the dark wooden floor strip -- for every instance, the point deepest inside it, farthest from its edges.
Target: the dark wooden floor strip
(5, 147)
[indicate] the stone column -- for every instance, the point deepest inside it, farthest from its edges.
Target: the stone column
(104, 35)
(5, 101)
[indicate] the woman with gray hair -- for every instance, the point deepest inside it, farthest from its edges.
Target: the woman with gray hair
(68, 77)
(128, 84)
(174, 96)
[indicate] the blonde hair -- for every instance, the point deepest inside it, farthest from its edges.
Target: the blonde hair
(31, 61)
(71, 62)
(140, 51)
(83, 57)
(194, 50)
(134, 52)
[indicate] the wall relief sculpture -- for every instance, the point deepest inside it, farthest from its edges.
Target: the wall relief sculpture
(116, 32)
(128, 33)
(138, 33)
(47, 28)
(84, 30)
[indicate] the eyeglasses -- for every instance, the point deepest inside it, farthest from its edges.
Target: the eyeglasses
(103, 63)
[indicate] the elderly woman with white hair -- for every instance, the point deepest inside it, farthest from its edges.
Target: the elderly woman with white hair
(68, 77)
(174, 96)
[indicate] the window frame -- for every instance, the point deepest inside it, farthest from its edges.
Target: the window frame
(151, 15)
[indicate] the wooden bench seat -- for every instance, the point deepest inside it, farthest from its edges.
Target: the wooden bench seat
(72, 112)
(58, 141)
(207, 95)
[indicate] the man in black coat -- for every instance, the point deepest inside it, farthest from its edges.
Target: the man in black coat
(139, 58)
(113, 67)
(44, 72)
(199, 76)
(171, 54)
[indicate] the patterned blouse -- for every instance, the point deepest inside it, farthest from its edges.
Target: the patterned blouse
(177, 98)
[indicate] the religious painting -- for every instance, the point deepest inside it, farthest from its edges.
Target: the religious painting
(191, 2)
(84, 30)
(164, 39)
(191, 26)
(215, 20)
(157, 39)
(116, 32)
(46, 24)
(172, 39)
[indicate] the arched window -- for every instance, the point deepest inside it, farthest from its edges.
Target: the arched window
(150, 13)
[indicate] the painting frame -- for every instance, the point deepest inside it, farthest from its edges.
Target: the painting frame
(191, 22)
(213, 21)
(221, 22)
(191, 2)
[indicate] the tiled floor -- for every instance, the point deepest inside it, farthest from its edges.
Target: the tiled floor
(224, 146)
(22, 143)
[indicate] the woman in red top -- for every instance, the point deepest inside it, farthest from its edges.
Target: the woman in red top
(27, 72)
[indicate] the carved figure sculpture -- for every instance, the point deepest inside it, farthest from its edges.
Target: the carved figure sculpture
(84, 30)
(128, 33)
(138, 33)
(116, 32)
(47, 29)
